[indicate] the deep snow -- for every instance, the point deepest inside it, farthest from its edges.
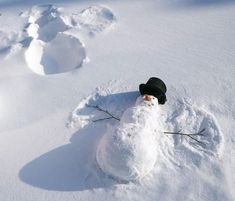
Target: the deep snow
(48, 141)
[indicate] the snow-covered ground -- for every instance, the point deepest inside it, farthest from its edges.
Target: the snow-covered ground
(58, 57)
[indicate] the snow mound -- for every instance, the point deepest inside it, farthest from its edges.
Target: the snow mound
(128, 151)
(62, 54)
(45, 21)
(94, 19)
(51, 51)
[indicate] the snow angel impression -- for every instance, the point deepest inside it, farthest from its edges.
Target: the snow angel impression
(128, 151)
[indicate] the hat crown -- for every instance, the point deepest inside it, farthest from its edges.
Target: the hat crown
(155, 87)
(158, 83)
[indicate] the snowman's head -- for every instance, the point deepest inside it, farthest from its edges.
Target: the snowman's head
(147, 100)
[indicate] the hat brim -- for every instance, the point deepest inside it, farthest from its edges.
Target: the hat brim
(152, 90)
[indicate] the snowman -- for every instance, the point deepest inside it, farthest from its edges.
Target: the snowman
(128, 151)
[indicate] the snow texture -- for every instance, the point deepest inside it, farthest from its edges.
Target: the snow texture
(45, 22)
(94, 19)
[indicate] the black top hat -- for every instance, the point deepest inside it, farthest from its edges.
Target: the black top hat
(155, 87)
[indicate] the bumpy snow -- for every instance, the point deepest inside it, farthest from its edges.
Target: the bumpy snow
(6, 39)
(94, 19)
(45, 22)
(50, 51)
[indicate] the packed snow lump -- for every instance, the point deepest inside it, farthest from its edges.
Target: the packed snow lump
(128, 151)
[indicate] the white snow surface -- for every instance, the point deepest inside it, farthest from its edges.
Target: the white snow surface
(53, 148)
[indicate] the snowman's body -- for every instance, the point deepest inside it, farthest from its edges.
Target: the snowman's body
(129, 150)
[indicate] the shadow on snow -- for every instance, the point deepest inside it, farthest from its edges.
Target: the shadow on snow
(72, 167)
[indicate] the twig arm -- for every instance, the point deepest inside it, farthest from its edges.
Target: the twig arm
(190, 135)
(102, 110)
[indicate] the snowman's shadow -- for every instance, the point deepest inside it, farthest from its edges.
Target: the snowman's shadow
(72, 167)
(64, 168)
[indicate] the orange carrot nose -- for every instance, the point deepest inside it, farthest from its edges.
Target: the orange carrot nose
(147, 98)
